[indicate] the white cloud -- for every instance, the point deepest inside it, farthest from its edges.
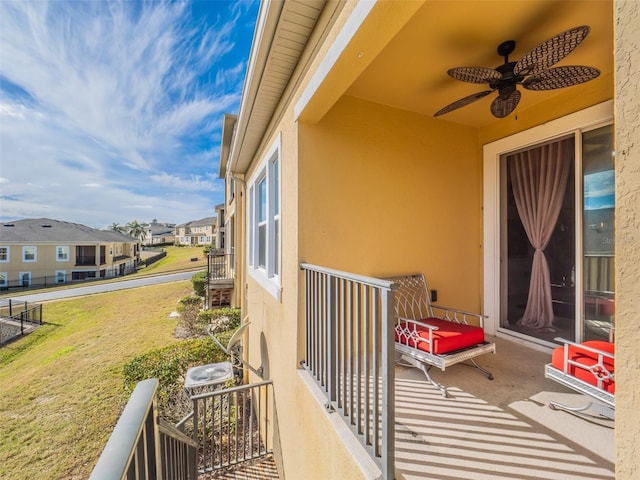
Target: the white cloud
(193, 182)
(125, 98)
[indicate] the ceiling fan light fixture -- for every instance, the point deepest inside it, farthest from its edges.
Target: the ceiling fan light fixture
(533, 72)
(501, 107)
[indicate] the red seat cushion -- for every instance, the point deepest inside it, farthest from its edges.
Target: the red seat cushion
(587, 358)
(449, 337)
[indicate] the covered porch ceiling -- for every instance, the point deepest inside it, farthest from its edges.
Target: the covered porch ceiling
(410, 71)
(399, 56)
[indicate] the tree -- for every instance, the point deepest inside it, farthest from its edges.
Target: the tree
(136, 230)
(116, 227)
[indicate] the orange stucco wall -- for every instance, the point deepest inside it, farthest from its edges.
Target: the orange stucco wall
(384, 192)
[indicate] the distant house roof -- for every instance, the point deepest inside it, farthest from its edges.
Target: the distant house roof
(199, 223)
(48, 230)
(158, 229)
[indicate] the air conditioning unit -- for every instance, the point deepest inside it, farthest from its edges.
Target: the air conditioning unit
(208, 375)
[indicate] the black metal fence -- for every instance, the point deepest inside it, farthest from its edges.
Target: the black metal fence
(73, 278)
(18, 318)
(220, 266)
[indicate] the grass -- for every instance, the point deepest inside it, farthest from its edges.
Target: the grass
(178, 258)
(61, 387)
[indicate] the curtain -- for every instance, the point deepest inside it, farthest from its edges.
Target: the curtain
(539, 179)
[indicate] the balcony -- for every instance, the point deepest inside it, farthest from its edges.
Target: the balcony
(486, 430)
(85, 260)
(220, 270)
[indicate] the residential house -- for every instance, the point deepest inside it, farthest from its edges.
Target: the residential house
(43, 251)
(196, 233)
(336, 141)
(159, 234)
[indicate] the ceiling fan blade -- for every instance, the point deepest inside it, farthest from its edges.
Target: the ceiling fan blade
(551, 52)
(560, 77)
(462, 102)
(501, 107)
(475, 74)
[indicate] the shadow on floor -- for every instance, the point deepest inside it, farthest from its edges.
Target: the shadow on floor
(500, 429)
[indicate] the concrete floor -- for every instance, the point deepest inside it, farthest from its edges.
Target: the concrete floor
(262, 469)
(500, 429)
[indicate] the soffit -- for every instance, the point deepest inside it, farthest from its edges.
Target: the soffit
(410, 72)
(287, 27)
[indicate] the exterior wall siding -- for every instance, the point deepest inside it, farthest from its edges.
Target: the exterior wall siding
(627, 113)
(47, 265)
(413, 190)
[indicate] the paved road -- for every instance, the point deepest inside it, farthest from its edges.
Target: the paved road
(105, 287)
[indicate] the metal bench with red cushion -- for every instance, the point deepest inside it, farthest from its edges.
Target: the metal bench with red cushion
(588, 368)
(428, 335)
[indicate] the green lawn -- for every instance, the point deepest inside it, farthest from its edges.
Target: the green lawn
(61, 386)
(178, 258)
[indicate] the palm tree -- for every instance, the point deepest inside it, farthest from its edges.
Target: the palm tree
(116, 227)
(136, 230)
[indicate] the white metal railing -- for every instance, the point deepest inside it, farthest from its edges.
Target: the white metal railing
(350, 351)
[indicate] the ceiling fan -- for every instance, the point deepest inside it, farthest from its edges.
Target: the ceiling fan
(533, 72)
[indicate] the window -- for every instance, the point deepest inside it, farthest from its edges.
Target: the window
(261, 208)
(61, 276)
(29, 254)
(25, 279)
(62, 254)
(4, 279)
(264, 222)
(4, 254)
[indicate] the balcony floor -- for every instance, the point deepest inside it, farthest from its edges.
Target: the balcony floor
(500, 429)
(262, 469)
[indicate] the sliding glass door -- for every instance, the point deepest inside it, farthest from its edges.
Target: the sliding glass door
(598, 254)
(556, 238)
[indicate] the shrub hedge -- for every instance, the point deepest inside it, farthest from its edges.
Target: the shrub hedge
(220, 319)
(170, 364)
(199, 281)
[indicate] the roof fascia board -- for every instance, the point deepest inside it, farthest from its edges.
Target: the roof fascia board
(263, 38)
(228, 125)
(356, 19)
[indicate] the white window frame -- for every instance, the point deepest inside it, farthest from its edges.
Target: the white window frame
(64, 276)
(4, 279)
(8, 250)
(267, 275)
(35, 253)
(62, 248)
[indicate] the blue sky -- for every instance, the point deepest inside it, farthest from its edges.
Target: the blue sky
(111, 111)
(599, 190)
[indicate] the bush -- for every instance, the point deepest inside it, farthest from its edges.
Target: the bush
(188, 308)
(169, 365)
(199, 281)
(220, 319)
